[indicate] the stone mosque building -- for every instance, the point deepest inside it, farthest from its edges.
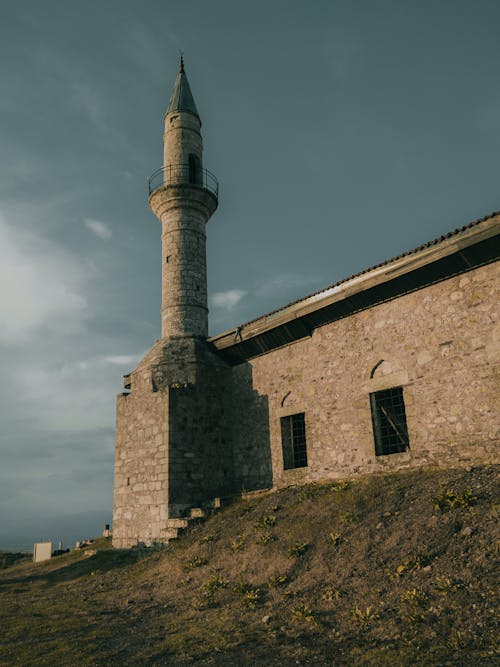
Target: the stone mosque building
(393, 367)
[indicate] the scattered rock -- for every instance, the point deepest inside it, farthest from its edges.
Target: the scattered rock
(467, 531)
(266, 619)
(379, 525)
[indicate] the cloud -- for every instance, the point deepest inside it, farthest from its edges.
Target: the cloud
(282, 283)
(41, 286)
(68, 396)
(98, 228)
(122, 359)
(228, 299)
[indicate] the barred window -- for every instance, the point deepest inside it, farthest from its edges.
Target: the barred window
(389, 421)
(293, 441)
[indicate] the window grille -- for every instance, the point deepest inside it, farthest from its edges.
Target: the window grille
(293, 441)
(389, 421)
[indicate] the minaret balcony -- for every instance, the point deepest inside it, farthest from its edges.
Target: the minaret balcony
(181, 175)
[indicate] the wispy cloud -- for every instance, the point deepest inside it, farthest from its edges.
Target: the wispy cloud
(100, 229)
(122, 359)
(282, 283)
(41, 286)
(228, 299)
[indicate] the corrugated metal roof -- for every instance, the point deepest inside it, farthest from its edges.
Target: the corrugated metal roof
(429, 244)
(182, 97)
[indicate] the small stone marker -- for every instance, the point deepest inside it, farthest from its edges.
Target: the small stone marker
(42, 551)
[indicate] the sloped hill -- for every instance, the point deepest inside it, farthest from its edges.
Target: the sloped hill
(384, 570)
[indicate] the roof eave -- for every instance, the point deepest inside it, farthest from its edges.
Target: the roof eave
(402, 265)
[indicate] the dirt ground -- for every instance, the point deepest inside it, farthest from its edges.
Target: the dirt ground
(380, 571)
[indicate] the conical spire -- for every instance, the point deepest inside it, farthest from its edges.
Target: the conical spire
(182, 98)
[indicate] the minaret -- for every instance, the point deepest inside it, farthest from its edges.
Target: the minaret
(183, 196)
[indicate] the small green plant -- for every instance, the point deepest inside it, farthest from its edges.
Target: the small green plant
(249, 595)
(450, 500)
(415, 618)
(415, 596)
(195, 562)
(265, 538)
(211, 537)
(349, 517)
(304, 613)
(334, 538)
(446, 585)
(298, 549)
(341, 485)
(410, 566)
(289, 594)
(278, 580)
(332, 593)
(275, 508)
(458, 641)
(212, 585)
(266, 521)
(185, 580)
(238, 543)
(363, 617)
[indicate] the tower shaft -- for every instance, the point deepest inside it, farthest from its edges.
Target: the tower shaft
(183, 196)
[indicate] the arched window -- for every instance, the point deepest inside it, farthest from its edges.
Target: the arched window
(194, 169)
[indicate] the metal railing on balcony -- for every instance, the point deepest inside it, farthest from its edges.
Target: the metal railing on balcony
(183, 174)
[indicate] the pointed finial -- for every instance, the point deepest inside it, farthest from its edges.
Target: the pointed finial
(181, 68)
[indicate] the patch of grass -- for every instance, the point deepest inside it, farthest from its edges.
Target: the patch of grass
(213, 584)
(342, 485)
(364, 617)
(334, 538)
(146, 603)
(445, 585)
(238, 543)
(311, 491)
(410, 565)
(298, 549)
(332, 593)
(196, 561)
(265, 522)
(415, 618)
(415, 596)
(458, 641)
(7, 558)
(265, 538)
(451, 499)
(304, 613)
(278, 580)
(249, 595)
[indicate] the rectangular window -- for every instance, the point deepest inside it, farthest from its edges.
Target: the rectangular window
(293, 441)
(389, 421)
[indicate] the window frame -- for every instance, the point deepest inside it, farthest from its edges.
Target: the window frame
(389, 423)
(294, 441)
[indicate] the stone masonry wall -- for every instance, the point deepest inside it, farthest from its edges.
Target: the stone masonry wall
(173, 448)
(141, 470)
(441, 344)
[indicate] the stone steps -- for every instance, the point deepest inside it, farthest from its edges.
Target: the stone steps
(176, 526)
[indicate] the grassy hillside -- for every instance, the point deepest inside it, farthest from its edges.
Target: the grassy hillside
(385, 570)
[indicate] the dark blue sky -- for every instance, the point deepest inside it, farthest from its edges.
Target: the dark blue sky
(342, 133)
